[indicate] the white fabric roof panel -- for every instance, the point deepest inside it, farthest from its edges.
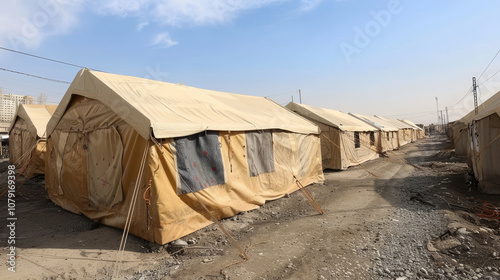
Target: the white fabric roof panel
(37, 116)
(472, 114)
(395, 122)
(412, 124)
(334, 118)
(491, 106)
(379, 123)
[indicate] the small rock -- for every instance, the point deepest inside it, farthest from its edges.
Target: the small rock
(424, 271)
(207, 260)
(454, 251)
(179, 243)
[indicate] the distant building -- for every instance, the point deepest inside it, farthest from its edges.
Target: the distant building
(9, 104)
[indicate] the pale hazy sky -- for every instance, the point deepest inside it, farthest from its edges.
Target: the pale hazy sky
(388, 58)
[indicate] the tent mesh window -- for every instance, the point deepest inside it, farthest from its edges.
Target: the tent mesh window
(357, 143)
(260, 155)
(199, 161)
(372, 138)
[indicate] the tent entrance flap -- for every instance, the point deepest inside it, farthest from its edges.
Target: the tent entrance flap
(104, 153)
(199, 162)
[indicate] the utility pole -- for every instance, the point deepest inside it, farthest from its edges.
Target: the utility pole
(442, 120)
(447, 118)
(437, 112)
(300, 96)
(474, 89)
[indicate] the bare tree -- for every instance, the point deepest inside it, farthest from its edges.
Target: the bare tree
(41, 99)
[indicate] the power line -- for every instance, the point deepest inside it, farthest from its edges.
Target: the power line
(480, 95)
(470, 89)
(467, 94)
(409, 114)
(489, 78)
(35, 76)
(29, 86)
(45, 58)
(489, 64)
(421, 114)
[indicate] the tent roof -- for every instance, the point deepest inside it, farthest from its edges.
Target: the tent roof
(379, 123)
(334, 118)
(36, 116)
(491, 106)
(411, 124)
(472, 114)
(175, 110)
(395, 122)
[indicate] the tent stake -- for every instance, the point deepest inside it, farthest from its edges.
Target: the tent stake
(308, 196)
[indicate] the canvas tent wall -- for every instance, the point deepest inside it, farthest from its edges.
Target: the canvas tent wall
(461, 133)
(388, 133)
(27, 137)
(461, 137)
(405, 131)
(346, 141)
(232, 152)
(485, 146)
(418, 133)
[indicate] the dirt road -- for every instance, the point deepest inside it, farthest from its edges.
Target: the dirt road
(372, 228)
(298, 243)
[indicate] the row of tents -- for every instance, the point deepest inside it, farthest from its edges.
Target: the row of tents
(477, 136)
(167, 158)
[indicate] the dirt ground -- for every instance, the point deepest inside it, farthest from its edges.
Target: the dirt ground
(411, 214)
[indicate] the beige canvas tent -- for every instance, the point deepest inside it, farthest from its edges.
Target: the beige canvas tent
(461, 131)
(388, 133)
(405, 131)
(418, 132)
(485, 146)
(27, 138)
(232, 152)
(345, 141)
